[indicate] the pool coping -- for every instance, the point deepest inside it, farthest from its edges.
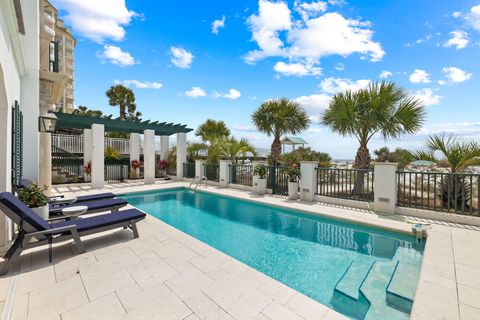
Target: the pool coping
(441, 267)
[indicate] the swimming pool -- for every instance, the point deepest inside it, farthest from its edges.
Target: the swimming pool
(362, 272)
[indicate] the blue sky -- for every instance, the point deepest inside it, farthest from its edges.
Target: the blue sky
(191, 60)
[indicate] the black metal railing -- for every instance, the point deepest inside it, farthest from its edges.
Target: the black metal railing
(66, 167)
(277, 180)
(353, 184)
(172, 169)
(448, 192)
(212, 171)
(17, 144)
(241, 174)
(189, 170)
(116, 170)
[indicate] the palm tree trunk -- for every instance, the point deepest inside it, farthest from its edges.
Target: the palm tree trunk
(276, 150)
(362, 161)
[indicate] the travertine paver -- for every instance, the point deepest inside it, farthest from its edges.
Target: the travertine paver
(166, 274)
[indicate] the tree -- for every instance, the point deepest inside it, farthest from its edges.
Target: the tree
(84, 111)
(306, 154)
(381, 108)
(123, 98)
(279, 117)
(194, 149)
(401, 156)
(233, 148)
(457, 154)
(211, 131)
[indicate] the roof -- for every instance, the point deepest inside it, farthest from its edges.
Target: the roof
(422, 163)
(293, 140)
(77, 121)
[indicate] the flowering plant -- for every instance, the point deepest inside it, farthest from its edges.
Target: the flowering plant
(293, 173)
(88, 169)
(135, 164)
(163, 164)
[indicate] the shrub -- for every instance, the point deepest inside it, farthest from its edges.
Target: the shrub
(33, 196)
(261, 171)
(293, 172)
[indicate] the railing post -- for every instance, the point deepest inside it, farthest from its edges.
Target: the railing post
(224, 172)
(308, 181)
(199, 168)
(385, 187)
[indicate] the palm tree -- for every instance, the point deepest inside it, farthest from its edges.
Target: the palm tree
(381, 108)
(193, 150)
(83, 110)
(211, 131)
(123, 98)
(233, 148)
(278, 117)
(458, 154)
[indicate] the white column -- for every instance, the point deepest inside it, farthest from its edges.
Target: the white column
(164, 147)
(199, 168)
(45, 174)
(98, 156)
(149, 156)
(385, 187)
(308, 181)
(135, 150)
(87, 151)
(225, 172)
(181, 152)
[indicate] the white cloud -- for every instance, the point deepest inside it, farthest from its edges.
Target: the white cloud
(232, 94)
(385, 74)
(419, 76)
(141, 84)
(339, 66)
(456, 75)
(333, 85)
(115, 55)
(296, 69)
(97, 20)
(305, 41)
(456, 14)
(218, 24)
(427, 96)
(195, 92)
(181, 57)
(245, 128)
(463, 129)
(473, 17)
(459, 40)
(314, 103)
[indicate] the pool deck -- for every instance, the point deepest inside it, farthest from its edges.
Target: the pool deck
(167, 274)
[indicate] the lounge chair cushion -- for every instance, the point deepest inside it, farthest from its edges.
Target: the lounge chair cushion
(98, 196)
(23, 211)
(95, 222)
(92, 205)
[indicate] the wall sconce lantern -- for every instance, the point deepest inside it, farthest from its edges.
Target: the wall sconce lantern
(47, 122)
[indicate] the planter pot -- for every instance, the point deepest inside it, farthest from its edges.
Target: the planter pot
(292, 190)
(43, 211)
(255, 184)
(261, 186)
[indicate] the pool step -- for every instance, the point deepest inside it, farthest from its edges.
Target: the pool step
(374, 288)
(347, 297)
(402, 286)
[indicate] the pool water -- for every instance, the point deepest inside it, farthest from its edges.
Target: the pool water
(362, 272)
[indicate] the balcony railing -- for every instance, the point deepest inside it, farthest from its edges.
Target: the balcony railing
(241, 174)
(353, 184)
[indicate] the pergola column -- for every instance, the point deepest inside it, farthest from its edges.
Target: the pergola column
(135, 150)
(149, 156)
(98, 156)
(164, 146)
(45, 174)
(87, 151)
(181, 152)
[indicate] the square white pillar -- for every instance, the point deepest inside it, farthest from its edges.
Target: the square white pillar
(225, 172)
(385, 187)
(98, 156)
(199, 169)
(45, 175)
(87, 151)
(164, 147)
(308, 181)
(181, 152)
(149, 156)
(135, 150)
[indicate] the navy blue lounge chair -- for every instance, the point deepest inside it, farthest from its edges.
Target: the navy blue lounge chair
(90, 197)
(94, 206)
(34, 231)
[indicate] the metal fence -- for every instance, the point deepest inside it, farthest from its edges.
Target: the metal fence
(117, 170)
(449, 192)
(353, 184)
(277, 180)
(189, 170)
(241, 174)
(212, 171)
(66, 167)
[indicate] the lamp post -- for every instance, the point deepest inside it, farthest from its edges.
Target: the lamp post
(47, 122)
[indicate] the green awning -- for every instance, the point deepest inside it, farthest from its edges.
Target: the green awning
(76, 121)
